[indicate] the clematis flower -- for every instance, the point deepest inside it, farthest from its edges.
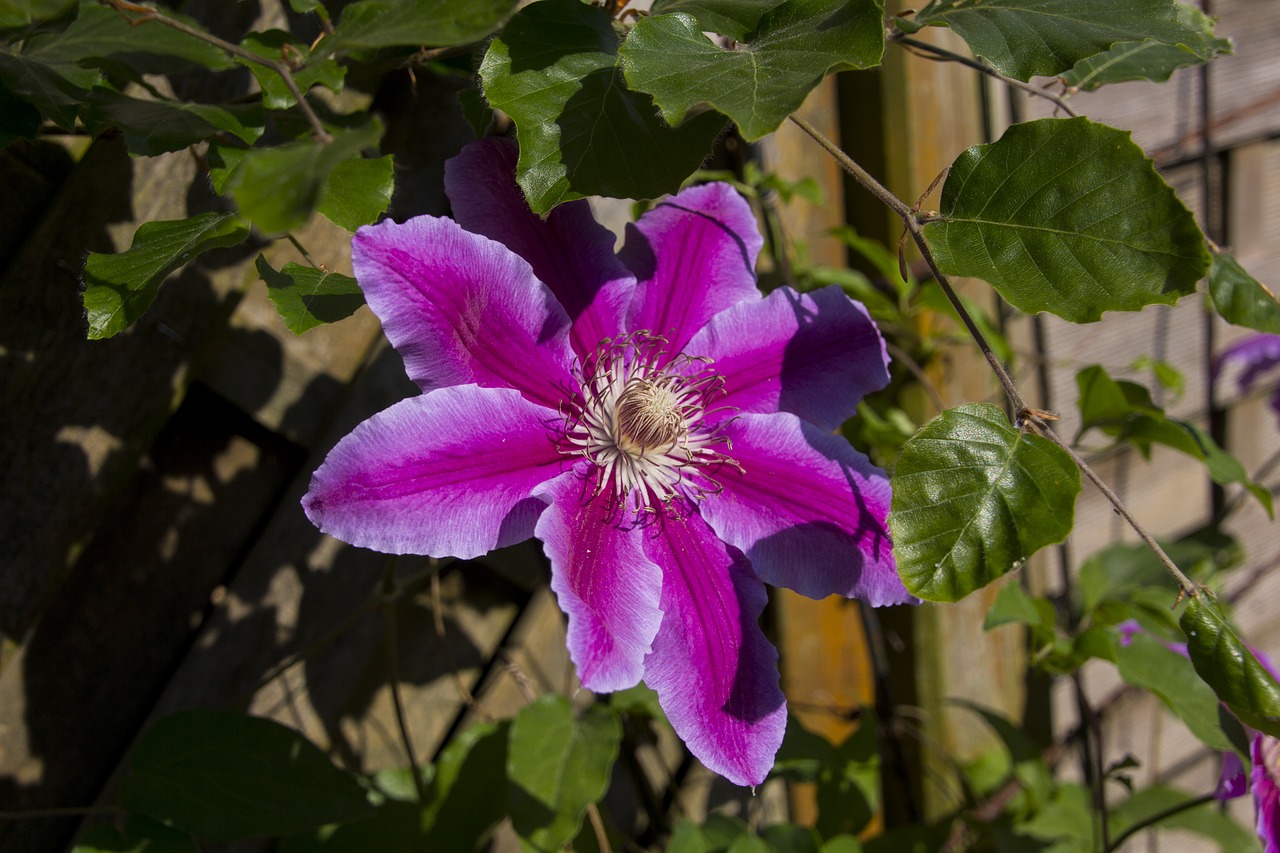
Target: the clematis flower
(1256, 355)
(664, 429)
(1263, 780)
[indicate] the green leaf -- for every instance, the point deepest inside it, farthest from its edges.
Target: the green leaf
(467, 796)
(1028, 38)
(140, 835)
(973, 498)
(358, 191)
(152, 127)
(55, 89)
(1014, 606)
(789, 838)
(388, 23)
(19, 13)
(1241, 299)
(1229, 667)
(554, 70)
(307, 297)
(1207, 819)
(120, 287)
(18, 118)
(1070, 217)
(225, 776)
(736, 19)
(1147, 663)
(279, 188)
(557, 767)
(847, 776)
(757, 85)
(306, 70)
(1137, 60)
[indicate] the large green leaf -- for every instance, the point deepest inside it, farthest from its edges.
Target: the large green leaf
(736, 19)
(305, 70)
(1135, 60)
(1241, 299)
(973, 498)
(387, 23)
(152, 127)
(467, 795)
(762, 82)
(554, 70)
(55, 89)
(1230, 668)
(118, 288)
(357, 192)
(99, 32)
(557, 766)
(307, 297)
(225, 776)
(1026, 38)
(279, 188)
(1070, 217)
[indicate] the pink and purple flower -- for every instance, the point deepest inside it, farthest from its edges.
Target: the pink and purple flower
(664, 429)
(1256, 355)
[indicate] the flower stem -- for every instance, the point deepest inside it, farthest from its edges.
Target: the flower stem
(390, 590)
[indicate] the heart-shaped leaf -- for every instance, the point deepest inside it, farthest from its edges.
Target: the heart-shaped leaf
(307, 297)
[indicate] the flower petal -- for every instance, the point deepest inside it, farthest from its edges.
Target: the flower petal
(812, 354)
(462, 309)
(808, 510)
(448, 473)
(715, 673)
(1256, 354)
(604, 582)
(1266, 790)
(568, 249)
(694, 255)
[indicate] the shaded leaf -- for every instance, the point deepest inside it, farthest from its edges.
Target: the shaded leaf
(224, 776)
(120, 287)
(736, 19)
(973, 498)
(307, 71)
(1229, 667)
(557, 766)
(1137, 60)
(152, 127)
(357, 192)
(1026, 38)
(1241, 299)
(19, 13)
(554, 70)
(18, 118)
(789, 838)
(56, 90)
(140, 835)
(759, 84)
(1070, 217)
(847, 775)
(307, 297)
(387, 23)
(467, 796)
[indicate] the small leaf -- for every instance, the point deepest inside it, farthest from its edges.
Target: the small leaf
(1070, 217)
(557, 767)
(307, 297)
(973, 498)
(1013, 606)
(736, 19)
(1137, 60)
(762, 82)
(1241, 299)
(357, 192)
(278, 188)
(120, 287)
(1028, 38)
(305, 70)
(554, 70)
(224, 777)
(152, 127)
(439, 23)
(1229, 667)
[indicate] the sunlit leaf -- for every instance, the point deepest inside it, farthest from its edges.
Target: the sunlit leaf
(305, 70)
(554, 70)
(1229, 667)
(972, 498)
(736, 19)
(760, 83)
(1240, 298)
(307, 297)
(119, 287)
(152, 127)
(357, 192)
(1070, 217)
(1137, 60)
(387, 23)
(1026, 38)
(226, 776)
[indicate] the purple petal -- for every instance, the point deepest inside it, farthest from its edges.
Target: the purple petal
(1266, 790)
(448, 473)
(812, 354)
(1232, 781)
(1256, 354)
(694, 255)
(568, 250)
(604, 582)
(715, 673)
(808, 510)
(463, 309)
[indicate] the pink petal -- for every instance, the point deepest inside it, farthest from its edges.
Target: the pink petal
(448, 473)
(808, 510)
(604, 582)
(812, 354)
(462, 309)
(694, 255)
(715, 673)
(568, 249)
(1266, 790)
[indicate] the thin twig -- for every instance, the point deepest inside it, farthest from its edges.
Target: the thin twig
(303, 251)
(941, 54)
(391, 649)
(597, 826)
(1152, 820)
(146, 13)
(1023, 414)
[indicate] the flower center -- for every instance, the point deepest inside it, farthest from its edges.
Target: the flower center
(641, 420)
